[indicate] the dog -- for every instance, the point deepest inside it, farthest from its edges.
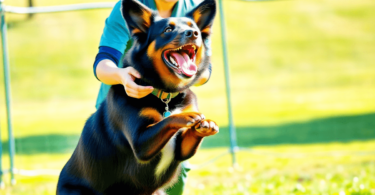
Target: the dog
(135, 146)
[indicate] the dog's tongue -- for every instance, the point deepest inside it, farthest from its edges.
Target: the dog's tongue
(187, 65)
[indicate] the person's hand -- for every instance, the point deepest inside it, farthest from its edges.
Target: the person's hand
(127, 76)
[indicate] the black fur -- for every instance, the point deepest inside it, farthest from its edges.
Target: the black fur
(121, 144)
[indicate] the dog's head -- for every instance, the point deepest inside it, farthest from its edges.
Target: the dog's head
(169, 53)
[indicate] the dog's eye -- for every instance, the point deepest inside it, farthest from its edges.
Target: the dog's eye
(168, 29)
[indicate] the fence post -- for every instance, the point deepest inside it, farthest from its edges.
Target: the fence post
(30, 5)
(7, 90)
(1, 143)
(232, 129)
(2, 185)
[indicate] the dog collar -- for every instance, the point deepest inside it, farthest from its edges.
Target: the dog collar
(165, 98)
(164, 95)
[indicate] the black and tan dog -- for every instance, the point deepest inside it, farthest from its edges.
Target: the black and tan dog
(131, 146)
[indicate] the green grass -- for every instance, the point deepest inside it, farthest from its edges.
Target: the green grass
(302, 72)
(275, 170)
(288, 169)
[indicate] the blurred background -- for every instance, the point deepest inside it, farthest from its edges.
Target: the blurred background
(302, 86)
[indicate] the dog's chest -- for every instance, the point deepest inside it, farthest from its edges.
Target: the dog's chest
(167, 153)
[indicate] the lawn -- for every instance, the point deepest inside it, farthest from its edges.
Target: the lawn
(302, 82)
(316, 169)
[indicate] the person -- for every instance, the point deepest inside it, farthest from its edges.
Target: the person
(114, 43)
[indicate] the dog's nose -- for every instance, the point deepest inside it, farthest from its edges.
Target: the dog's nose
(191, 34)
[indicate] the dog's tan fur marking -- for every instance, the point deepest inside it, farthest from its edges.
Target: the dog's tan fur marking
(196, 16)
(198, 56)
(151, 113)
(189, 141)
(206, 30)
(147, 18)
(135, 31)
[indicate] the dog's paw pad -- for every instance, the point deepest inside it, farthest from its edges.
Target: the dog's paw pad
(206, 128)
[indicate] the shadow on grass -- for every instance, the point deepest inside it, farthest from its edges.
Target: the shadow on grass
(342, 129)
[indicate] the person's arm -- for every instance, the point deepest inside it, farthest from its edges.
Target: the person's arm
(112, 45)
(108, 73)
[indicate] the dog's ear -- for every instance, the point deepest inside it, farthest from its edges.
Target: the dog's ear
(204, 15)
(137, 16)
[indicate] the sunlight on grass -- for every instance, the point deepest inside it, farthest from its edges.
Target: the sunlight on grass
(285, 169)
(288, 169)
(301, 72)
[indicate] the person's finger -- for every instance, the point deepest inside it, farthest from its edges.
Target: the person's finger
(131, 92)
(134, 73)
(132, 85)
(136, 94)
(145, 89)
(142, 92)
(137, 89)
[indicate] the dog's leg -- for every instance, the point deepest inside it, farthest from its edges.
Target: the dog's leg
(148, 142)
(190, 139)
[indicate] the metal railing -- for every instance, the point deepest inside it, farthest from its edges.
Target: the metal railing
(59, 8)
(3, 25)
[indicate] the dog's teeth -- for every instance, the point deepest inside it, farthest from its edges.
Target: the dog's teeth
(172, 60)
(194, 47)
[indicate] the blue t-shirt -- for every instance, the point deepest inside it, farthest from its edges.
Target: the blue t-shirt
(116, 34)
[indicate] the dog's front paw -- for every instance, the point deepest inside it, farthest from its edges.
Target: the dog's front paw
(187, 119)
(206, 127)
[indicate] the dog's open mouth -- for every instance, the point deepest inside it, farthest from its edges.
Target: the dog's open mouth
(182, 59)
